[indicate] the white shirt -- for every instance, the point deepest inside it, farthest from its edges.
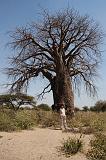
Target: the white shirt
(62, 112)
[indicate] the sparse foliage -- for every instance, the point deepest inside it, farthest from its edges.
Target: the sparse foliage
(64, 48)
(100, 106)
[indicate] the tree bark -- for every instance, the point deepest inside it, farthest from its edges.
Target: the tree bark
(61, 86)
(65, 91)
(54, 88)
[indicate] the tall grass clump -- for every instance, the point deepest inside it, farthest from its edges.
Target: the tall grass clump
(98, 148)
(71, 146)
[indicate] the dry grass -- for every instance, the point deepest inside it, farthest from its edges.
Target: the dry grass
(98, 148)
(85, 122)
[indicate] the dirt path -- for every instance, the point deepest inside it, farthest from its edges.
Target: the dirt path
(37, 144)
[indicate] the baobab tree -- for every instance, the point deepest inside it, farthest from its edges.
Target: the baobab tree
(64, 48)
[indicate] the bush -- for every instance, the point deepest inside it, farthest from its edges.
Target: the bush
(7, 126)
(11, 120)
(98, 148)
(6, 123)
(47, 119)
(24, 119)
(71, 146)
(44, 107)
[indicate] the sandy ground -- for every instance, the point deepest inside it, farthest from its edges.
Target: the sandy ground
(37, 144)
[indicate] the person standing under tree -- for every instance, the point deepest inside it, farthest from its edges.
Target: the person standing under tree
(63, 117)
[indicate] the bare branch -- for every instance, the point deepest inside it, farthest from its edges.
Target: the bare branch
(41, 95)
(62, 45)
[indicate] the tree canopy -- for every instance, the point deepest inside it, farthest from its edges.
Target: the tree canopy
(64, 48)
(14, 101)
(100, 106)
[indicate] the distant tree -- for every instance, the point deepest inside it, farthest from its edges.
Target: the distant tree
(14, 101)
(85, 108)
(100, 106)
(92, 108)
(77, 109)
(63, 48)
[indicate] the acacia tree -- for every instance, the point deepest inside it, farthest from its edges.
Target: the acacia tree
(63, 48)
(14, 101)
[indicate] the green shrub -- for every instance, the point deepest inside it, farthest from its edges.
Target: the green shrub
(98, 148)
(44, 107)
(71, 146)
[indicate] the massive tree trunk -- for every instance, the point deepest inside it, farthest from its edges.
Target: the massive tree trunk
(62, 92)
(61, 86)
(68, 95)
(65, 91)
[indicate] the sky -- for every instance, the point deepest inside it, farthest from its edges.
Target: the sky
(15, 13)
